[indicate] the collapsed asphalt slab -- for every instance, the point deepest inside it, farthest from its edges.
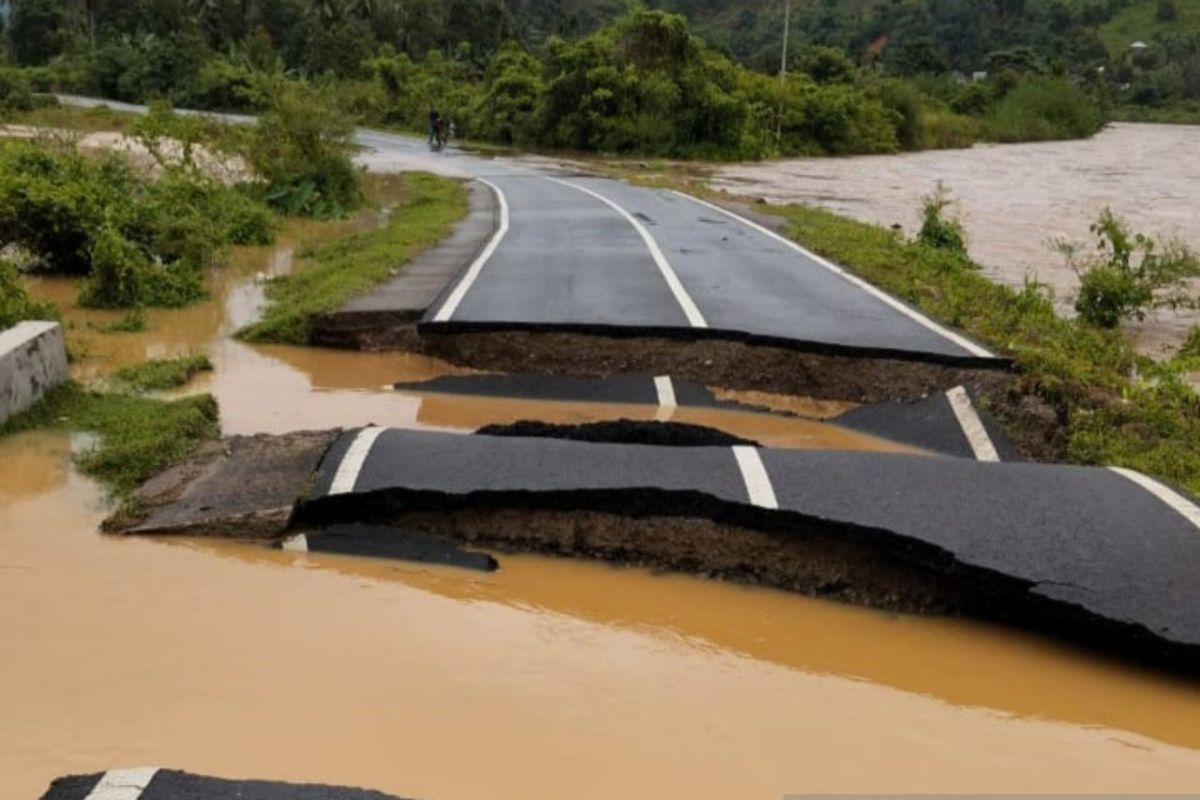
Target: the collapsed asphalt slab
(1103, 556)
(1088, 548)
(380, 541)
(934, 423)
(149, 783)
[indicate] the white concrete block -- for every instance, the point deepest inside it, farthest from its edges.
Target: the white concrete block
(33, 360)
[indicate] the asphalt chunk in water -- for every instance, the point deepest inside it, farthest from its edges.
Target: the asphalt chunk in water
(380, 541)
(175, 785)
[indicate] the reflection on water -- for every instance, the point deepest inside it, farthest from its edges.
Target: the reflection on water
(548, 679)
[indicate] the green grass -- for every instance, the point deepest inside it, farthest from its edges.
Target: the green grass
(158, 375)
(138, 436)
(345, 268)
(1120, 408)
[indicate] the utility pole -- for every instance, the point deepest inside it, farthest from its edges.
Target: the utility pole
(787, 19)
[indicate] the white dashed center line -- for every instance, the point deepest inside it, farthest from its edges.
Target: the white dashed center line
(972, 426)
(754, 474)
(123, 784)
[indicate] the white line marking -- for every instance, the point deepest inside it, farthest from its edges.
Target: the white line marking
(666, 398)
(460, 291)
(694, 317)
(1176, 501)
(972, 425)
(878, 293)
(758, 483)
(123, 784)
(297, 544)
(352, 463)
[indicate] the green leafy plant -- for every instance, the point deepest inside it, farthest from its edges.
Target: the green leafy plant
(15, 303)
(1128, 273)
(939, 230)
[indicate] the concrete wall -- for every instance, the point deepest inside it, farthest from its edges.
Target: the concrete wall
(33, 360)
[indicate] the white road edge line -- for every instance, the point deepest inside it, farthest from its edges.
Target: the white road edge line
(758, 483)
(666, 398)
(123, 784)
(468, 280)
(694, 317)
(352, 463)
(1186, 508)
(972, 426)
(878, 293)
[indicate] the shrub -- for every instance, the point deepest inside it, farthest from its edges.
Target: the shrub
(938, 230)
(15, 303)
(122, 277)
(1128, 274)
(1041, 108)
(16, 94)
(301, 147)
(52, 201)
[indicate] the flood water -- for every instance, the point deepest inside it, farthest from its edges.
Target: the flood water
(1015, 200)
(549, 678)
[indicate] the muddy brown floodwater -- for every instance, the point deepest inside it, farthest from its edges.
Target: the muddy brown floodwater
(1016, 199)
(549, 678)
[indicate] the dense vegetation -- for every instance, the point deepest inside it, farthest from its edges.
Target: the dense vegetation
(517, 73)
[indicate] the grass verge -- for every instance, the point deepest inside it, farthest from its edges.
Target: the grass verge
(340, 270)
(138, 436)
(1113, 406)
(158, 375)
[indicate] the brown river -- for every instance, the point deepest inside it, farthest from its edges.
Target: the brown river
(1016, 200)
(549, 678)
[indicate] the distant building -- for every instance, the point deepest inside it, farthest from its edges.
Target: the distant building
(1138, 45)
(979, 75)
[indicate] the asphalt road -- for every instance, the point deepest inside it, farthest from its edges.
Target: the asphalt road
(1118, 546)
(582, 253)
(149, 783)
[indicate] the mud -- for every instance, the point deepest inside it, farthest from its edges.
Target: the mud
(731, 364)
(622, 431)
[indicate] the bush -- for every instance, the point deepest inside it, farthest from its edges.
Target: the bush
(938, 230)
(16, 94)
(122, 277)
(301, 147)
(1129, 274)
(140, 241)
(15, 304)
(1041, 108)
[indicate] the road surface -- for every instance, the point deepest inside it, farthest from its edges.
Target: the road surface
(589, 254)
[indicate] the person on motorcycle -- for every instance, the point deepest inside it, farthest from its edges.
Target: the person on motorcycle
(435, 126)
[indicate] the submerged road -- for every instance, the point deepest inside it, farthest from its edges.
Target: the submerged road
(151, 783)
